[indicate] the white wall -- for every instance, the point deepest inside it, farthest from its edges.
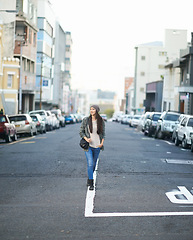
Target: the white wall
(150, 67)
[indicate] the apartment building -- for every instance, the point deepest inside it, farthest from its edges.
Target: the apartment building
(62, 69)
(175, 40)
(185, 89)
(25, 50)
(149, 67)
(45, 55)
(9, 66)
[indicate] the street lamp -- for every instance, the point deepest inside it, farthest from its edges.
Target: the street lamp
(22, 43)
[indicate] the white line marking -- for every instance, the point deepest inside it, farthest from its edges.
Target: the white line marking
(141, 214)
(89, 207)
(169, 143)
(175, 161)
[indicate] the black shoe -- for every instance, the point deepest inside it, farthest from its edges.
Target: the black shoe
(91, 184)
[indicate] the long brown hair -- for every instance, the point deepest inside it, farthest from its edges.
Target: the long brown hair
(99, 123)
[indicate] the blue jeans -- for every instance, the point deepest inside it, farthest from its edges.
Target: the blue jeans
(91, 157)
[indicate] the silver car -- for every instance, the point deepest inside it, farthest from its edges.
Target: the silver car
(23, 124)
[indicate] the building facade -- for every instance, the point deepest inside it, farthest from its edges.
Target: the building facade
(149, 67)
(25, 50)
(45, 55)
(185, 89)
(62, 69)
(9, 66)
(175, 39)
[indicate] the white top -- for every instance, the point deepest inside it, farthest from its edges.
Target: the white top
(95, 139)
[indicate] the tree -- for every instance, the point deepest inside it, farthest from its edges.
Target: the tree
(109, 113)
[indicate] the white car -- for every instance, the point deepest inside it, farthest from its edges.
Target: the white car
(166, 124)
(135, 120)
(184, 131)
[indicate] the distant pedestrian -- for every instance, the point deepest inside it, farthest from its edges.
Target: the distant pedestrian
(93, 131)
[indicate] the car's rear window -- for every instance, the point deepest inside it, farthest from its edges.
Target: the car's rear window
(156, 117)
(34, 118)
(17, 118)
(171, 117)
(2, 119)
(190, 122)
(40, 112)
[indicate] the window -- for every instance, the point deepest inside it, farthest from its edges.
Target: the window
(162, 54)
(161, 66)
(165, 106)
(143, 58)
(190, 122)
(30, 35)
(34, 39)
(141, 89)
(142, 73)
(9, 80)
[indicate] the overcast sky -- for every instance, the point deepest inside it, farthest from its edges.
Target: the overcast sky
(105, 32)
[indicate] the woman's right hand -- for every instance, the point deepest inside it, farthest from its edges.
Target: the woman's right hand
(88, 139)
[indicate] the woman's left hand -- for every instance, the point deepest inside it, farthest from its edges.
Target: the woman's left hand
(100, 145)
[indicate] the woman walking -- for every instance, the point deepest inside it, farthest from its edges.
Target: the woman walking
(93, 131)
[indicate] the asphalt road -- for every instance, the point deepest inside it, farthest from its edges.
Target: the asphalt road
(43, 188)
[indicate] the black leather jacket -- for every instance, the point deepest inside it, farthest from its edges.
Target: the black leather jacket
(84, 132)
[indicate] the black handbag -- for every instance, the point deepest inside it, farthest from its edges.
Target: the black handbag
(84, 144)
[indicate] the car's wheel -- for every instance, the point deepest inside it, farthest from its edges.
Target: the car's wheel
(31, 133)
(192, 147)
(8, 138)
(149, 133)
(14, 138)
(173, 137)
(177, 142)
(184, 143)
(160, 134)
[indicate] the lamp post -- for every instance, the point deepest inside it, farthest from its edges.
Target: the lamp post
(135, 80)
(22, 43)
(20, 80)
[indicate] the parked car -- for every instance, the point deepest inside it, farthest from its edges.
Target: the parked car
(45, 118)
(129, 120)
(125, 119)
(135, 120)
(166, 124)
(145, 117)
(69, 119)
(176, 126)
(7, 129)
(140, 126)
(55, 121)
(184, 132)
(191, 147)
(24, 124)
(104, 117)
(61, 118)
(40, 124)
(151, 123)
(50, 120)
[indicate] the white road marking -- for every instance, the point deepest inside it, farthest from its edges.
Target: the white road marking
(177, 161)
(89, 207)
(187, 197)
(141, 214)
(146, 138)
(169, 143)
(20, 140)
